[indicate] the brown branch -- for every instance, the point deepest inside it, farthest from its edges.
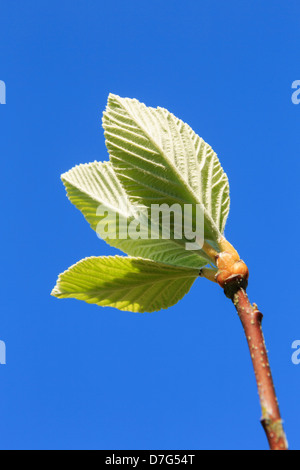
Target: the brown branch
(251, 318)
(232, 276)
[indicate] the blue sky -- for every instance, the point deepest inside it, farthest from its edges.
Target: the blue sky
(81, 376)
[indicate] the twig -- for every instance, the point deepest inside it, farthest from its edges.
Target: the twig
(251, 318)
(232, 276)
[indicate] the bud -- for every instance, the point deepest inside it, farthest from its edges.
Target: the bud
(225, 261)
(221, 277)
(240, 268)
(228, 266)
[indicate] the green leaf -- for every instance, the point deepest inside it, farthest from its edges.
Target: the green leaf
(92, 185)
(159, 159)
(130, 284)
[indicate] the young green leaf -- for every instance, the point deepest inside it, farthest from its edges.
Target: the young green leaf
(158, 158)
(130, 284)
(95, 185)
(155, 159)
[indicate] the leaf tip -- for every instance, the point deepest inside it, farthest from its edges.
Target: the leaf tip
(113, 98)
(55, 291)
